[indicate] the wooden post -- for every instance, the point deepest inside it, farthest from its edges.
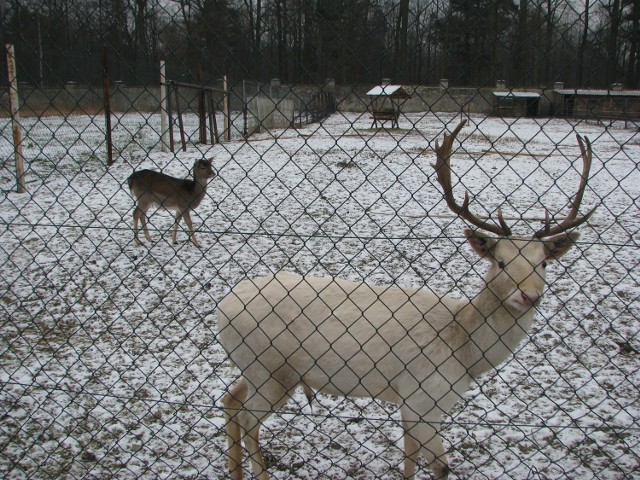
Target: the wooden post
(107, 104)
(169, 90)
(164, 108)
(180, 122)
(213, 124)
(245, 108)
(15, 118)
(215, 121)
(227, 114)
(202, 122)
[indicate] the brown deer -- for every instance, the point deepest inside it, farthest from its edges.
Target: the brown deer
(150, 188)
(401, 345)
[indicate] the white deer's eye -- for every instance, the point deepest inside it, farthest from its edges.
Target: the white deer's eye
(544, 264)
(501, 264)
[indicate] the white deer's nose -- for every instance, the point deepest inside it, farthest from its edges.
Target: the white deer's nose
(531, 297)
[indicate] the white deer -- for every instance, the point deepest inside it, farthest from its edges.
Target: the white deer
(400, 345)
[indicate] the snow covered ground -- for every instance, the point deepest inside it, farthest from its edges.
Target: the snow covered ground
(110, 366)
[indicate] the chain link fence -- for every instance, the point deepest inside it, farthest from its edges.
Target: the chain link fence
(112, 364)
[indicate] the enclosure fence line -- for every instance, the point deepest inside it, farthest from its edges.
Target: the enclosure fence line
(411, 252)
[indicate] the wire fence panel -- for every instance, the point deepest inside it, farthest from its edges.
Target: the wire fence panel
(335, 299)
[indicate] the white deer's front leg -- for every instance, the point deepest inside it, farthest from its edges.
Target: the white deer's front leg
(422, 432)
(411, 451)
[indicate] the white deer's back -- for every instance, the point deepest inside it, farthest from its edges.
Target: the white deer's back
(339, 336)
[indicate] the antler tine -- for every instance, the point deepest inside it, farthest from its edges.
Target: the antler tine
(443, 172)
(572, 220)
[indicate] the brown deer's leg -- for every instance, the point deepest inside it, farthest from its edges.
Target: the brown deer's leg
(174, 235)
(136, 216)
(187, 219)
(143, 220)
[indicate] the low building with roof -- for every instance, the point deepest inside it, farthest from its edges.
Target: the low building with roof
(516, 104)
(599, 104)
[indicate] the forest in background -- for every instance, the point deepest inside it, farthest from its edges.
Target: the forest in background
(590, 43)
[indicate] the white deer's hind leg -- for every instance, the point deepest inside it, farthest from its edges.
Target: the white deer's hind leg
(233, 402)
(260, 404)
(251, 440)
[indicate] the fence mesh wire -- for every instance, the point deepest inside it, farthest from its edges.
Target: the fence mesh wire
(111, 361)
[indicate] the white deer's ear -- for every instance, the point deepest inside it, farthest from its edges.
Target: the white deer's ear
(482, 244)
(556, 247)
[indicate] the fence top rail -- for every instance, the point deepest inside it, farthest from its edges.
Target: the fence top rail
(193, 85)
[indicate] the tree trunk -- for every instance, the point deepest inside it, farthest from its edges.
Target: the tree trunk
(401, 40)
(583, 46)
(612, 43)
(633, 69)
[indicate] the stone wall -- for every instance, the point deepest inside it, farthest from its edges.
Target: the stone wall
(75, 98)
(435, 99)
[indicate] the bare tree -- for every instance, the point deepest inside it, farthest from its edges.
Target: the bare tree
(583, 44)
(401, 41)
(614, 11)
(632, 34)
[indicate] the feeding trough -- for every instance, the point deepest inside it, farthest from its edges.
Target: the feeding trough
(385, 105)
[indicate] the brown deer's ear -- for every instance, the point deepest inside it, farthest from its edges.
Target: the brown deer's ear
(556, 247)
(482, 244)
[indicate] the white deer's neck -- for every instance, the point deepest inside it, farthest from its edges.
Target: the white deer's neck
(494, 331)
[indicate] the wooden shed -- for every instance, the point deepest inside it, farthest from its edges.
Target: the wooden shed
(385, 104)
(614, 104)
(516, 104)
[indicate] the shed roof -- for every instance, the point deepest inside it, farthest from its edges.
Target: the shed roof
(597, 92)
(512, 94)
(394, 91)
